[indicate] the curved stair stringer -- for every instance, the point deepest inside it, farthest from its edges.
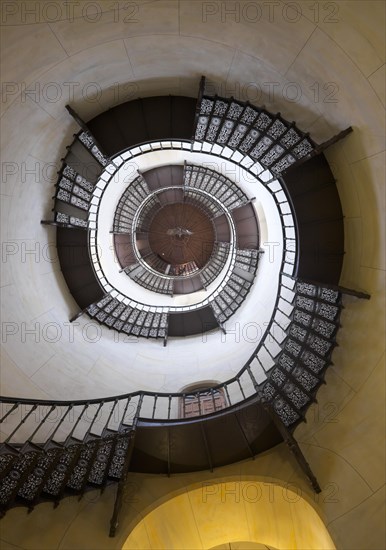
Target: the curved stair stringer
(32, 472)
(86, 158)
(292, 374)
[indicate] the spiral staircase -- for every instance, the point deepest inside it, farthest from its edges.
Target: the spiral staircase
(56, 448)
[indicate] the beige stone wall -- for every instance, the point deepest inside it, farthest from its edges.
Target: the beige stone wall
(323, 68)
(266, 500)
(271, 487)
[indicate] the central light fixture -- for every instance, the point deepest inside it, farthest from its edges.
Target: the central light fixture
(178, 232)
(183, 235)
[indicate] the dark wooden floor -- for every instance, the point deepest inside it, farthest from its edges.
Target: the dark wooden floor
(175, 249)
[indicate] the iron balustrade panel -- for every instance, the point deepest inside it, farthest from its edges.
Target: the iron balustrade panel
(269, 139)
(82, 160)
(287, 222)
(290, 234)
(231, 297)
(74, 189)
(124, 250)
(88, 141)
(324, 310)
(130, 320)
(128, 205)
(216, 184)
(140, 221)
(216, 263)
(154, 282)
(247, 259)
(212, 209)
(297, 370)
(306, 351)
(64, 219)
(144, 220)
(51, 447)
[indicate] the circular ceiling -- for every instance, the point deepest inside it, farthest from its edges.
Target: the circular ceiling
(182, 234)
(143, 199)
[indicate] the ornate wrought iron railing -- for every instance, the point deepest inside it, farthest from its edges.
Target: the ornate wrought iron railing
(270, 349)
(52, 446)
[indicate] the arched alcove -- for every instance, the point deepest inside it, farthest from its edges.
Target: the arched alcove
(249, 513)
(242, 545)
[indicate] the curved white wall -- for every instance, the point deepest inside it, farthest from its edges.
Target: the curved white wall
(332, 59)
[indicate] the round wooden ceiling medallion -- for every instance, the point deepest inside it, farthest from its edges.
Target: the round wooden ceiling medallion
(182, 233)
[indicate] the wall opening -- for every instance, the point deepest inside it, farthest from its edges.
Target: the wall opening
(233, 515)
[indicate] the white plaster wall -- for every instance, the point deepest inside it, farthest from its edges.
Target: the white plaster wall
(337, 61)
(128, 363)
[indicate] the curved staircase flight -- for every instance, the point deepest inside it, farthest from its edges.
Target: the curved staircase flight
(269, 396)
